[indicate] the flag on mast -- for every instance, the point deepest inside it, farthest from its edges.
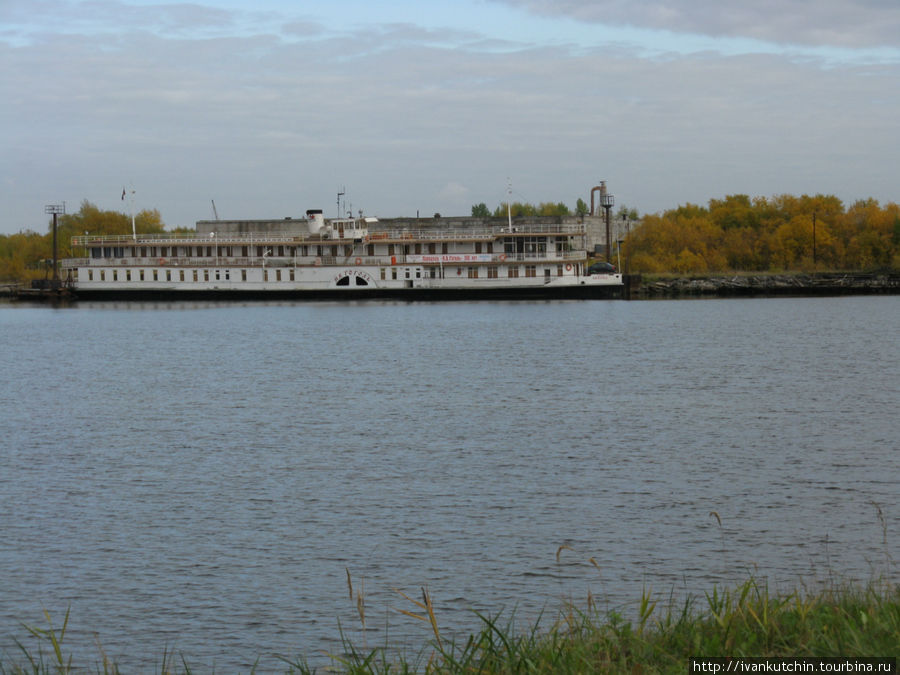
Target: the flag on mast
(123, 194)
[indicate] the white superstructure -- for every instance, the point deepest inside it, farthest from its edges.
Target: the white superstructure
(330, 257)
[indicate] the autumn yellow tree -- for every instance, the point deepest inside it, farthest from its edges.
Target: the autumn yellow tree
(23, 255)
(782, 233)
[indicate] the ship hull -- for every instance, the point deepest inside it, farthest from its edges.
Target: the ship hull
(572, 292)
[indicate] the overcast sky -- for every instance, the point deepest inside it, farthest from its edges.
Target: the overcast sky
(270, 107)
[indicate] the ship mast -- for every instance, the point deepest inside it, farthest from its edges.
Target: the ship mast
(508, 203)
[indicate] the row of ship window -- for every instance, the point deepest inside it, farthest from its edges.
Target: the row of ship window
(288, 275)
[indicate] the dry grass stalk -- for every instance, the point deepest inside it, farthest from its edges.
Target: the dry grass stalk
(560, 550)
(429, 613)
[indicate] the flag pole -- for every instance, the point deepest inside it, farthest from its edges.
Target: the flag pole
(131, 208)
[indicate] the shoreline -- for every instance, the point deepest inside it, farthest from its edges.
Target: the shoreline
(821, 284)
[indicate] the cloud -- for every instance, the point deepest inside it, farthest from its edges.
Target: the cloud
(833, 23)
(272, 120)
(31, 19)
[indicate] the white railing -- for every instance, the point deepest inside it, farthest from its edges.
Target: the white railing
(398, 235)
(206, 240)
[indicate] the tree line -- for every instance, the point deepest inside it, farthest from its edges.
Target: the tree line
(519, 209)
(28, 255)
(783, 233)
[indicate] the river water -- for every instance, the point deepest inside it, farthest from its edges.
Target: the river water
(203, 478)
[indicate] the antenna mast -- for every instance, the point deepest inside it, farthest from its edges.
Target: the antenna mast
(509, 202)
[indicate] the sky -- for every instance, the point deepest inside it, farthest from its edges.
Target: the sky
(269, 108)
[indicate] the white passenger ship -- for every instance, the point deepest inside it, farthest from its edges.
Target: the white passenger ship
(342, 258)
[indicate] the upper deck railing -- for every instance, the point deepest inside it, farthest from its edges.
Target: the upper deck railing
(387, 236)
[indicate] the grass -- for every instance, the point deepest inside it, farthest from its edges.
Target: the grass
(746, 620)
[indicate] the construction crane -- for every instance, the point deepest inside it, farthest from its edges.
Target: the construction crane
(215, 213)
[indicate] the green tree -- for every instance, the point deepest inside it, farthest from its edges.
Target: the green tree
(581, 208)
(480, 211)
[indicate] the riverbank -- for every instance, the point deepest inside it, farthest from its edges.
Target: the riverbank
(638, 287)
(846, 625)
(763, 285)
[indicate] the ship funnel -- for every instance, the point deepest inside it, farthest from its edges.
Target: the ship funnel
(315, 221)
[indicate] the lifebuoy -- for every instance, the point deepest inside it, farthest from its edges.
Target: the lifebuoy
(359, 261)
(501, 257)
(569, 267)
(162, 261)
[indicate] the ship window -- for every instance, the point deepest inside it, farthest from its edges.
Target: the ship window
(128, 275)
(205, 275)
(243, 275)
(102, 275)
(91, 275)
(292, 275)
(217, 275)
(383, 274)
(115, 275)
(513, 271)
(343, 281)
(490, 247)
(168, 275)
(361, 282)
(155, 275)
(473, 272)
(196, 275)
(444, 247)
(431, 247)
(277, 275)
(180, 275)
(227, 275)
(393, 273)
(530, 271)
(265, 275)
(142, 275)
(492, 272)
(477, 247)
(418, 248)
